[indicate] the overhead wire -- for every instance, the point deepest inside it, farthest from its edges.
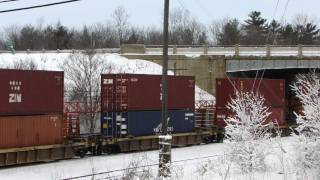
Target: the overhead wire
(267, 39)
(8, 1)
(156, 164)
(282, 18)
(183, 5)
(204, 10)
(273, 18)
(38, 6)
(275, 36)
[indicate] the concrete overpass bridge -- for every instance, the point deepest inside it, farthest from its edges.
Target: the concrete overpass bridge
(208, 63)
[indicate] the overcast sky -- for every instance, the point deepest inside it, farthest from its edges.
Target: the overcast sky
(146, 12)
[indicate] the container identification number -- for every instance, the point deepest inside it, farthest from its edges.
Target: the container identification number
(15, 96)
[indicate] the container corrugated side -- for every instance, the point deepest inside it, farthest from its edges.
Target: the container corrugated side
(273, 90)
(277, 116)
(26, 131)
(24, 92)
(143, 123)
(122, 92)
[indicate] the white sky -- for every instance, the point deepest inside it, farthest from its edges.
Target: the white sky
(147, 12)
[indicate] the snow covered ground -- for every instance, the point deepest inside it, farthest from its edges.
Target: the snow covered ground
(188, 163)
(118, 64)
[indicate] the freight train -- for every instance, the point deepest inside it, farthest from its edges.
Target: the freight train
(38, 125)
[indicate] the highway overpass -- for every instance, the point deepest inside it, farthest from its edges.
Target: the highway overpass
(207, 63)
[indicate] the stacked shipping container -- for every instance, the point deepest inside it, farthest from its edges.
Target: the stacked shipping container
(131, 104)
(273, 90)
(31, 107)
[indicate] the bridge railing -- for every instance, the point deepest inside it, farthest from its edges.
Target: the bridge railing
(236, 50)
(239, 50)
(28, 51)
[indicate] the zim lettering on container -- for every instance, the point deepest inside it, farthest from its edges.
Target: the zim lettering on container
(28, 92)
(15, 95)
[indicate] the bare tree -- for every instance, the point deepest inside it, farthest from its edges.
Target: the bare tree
(185, 29)
(138, 168)
(27, 64)
(82, 72)
(303, 19)
(215, 29)
(220, 165)
(12, 34)
(120, 18)
(153, 35)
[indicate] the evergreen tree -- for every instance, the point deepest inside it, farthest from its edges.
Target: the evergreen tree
(85, 38)
(27, 38)
(203, 39)
(230, 34)
(255, 29)
(273, 32)
(133, 38)
(307, 34)
(61, 37)
(287, 35)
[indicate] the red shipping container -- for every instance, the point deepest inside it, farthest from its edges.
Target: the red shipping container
(273, 90)
(29, 131)
(121, 92)
(277, 116)
(25, 92)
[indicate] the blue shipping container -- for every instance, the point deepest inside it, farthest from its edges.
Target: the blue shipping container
(144, 123)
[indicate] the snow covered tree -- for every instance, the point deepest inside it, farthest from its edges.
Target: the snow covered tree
(247, 131)
(307, 89)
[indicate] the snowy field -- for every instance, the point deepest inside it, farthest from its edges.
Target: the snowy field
(188, 163)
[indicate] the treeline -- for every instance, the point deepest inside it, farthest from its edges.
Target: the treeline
(184, 30)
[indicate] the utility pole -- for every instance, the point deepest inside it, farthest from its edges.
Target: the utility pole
(164, 138)
(175, 69)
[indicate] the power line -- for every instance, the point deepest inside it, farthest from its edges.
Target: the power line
(38, 6)
(204, 10)
(276, 35)
(184, 6)
(273, 18)
(282, 19)
(275, 9)
(8, 1)
(156, 164)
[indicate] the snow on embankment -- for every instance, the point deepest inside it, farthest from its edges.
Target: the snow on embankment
(119, 64)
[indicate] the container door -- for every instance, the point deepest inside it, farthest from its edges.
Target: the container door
(121, 124)
(121, 93)
(108, 95)
(107, 124)
(114, 124)
(71, 125)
